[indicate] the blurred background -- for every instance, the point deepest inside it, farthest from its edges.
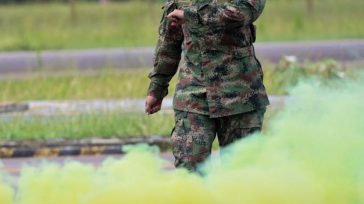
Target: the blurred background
(78, 68)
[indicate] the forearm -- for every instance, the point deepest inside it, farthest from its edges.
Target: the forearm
(167, 56)
(165, 66)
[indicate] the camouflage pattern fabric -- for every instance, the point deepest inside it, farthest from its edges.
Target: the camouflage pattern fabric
(194, 134)
(219, 74)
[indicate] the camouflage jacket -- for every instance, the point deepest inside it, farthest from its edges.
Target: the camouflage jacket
(219, 74)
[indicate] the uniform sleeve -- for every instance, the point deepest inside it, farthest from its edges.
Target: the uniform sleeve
(224, 15)
(167, 55)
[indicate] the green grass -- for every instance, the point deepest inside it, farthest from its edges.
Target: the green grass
(130, 24)
(49, 26)
(104, 125)
(116, 84)
(108, 84)
(127, 84)
(280, 78)
(286, 20)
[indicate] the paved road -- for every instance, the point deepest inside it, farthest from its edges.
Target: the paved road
(14, 166)
(23, 62)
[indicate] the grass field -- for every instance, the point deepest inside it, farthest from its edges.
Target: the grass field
(130, 24)
(116, 84)
(109, 84)
(104, 125)
(113, 84)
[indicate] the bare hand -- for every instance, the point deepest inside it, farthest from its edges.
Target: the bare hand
(176, 17)
(152, 105)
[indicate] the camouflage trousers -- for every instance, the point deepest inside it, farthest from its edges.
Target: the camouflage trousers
(194, 133)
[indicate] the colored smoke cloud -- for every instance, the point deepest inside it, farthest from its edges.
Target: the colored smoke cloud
(313, 152)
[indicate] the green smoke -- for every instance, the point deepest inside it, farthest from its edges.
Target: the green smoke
(312, 153)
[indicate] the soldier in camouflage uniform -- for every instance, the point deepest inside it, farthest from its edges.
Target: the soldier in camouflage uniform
(220, 89)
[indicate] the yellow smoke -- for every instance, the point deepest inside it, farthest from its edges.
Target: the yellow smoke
(6, 193)
(312, 153)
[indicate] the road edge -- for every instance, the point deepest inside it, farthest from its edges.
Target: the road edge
(79, 147)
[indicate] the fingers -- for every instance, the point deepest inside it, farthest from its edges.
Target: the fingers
(152, 105)
(147, 107)
(150, 110)
(155, 109)
(176, 22)
(176, 17)
(172, 15)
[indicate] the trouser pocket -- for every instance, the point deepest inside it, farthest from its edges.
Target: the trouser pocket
(191, 139)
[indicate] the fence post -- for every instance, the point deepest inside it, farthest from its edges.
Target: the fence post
(310, 6)
(73, 10)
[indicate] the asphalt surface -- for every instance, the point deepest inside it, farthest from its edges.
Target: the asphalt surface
(25, 62)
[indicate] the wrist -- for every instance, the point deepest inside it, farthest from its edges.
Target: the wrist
(157, 91)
